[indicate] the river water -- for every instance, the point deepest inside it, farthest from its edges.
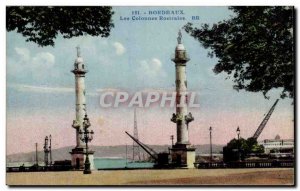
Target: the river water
(119, 163)
(99, 163)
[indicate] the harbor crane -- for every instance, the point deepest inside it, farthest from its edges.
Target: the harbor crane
(264, 121)
(149, 150)
(161, 160)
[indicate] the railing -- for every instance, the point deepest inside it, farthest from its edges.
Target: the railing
(39, 168)
(255, 164)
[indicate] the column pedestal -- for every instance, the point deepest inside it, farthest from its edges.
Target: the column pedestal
(78, 158)
(183, 156)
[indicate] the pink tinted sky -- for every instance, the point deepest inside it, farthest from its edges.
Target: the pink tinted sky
(154, 126)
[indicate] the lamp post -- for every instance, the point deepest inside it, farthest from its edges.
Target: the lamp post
(126, 157)
(50, 151)
(238, 131)
(172, 138)
(36, 155)
(210, 131)
(46, 152)
(86, 136)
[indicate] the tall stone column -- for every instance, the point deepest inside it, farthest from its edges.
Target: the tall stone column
(182, 153)
(79, 72)
(78, 153)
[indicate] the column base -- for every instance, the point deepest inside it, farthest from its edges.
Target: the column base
(78, 156)
(183, 156)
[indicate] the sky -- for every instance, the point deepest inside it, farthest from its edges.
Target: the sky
(135, 57)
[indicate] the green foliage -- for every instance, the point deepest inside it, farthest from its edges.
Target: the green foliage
(251, 141)
(255, 47)
(257, 149)
(235, 144)
(42, 24)
(246, 146)
(253, 146)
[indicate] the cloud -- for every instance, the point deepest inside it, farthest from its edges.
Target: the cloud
(120, 49)
(24, 53)
(47, 89)
(44, 59)
(108, 90)
(24, 64)
(41, 89)
(151, 69)
(159, 90)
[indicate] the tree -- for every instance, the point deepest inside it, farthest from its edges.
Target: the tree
(255, 48)
(243, 147)
(253, 146)
(42, 24)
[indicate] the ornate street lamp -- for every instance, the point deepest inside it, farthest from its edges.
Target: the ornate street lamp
(86, 136)
(238, 131)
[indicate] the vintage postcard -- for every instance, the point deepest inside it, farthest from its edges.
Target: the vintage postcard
(120, 95)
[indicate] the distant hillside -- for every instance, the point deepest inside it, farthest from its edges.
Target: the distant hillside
(101, 151)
